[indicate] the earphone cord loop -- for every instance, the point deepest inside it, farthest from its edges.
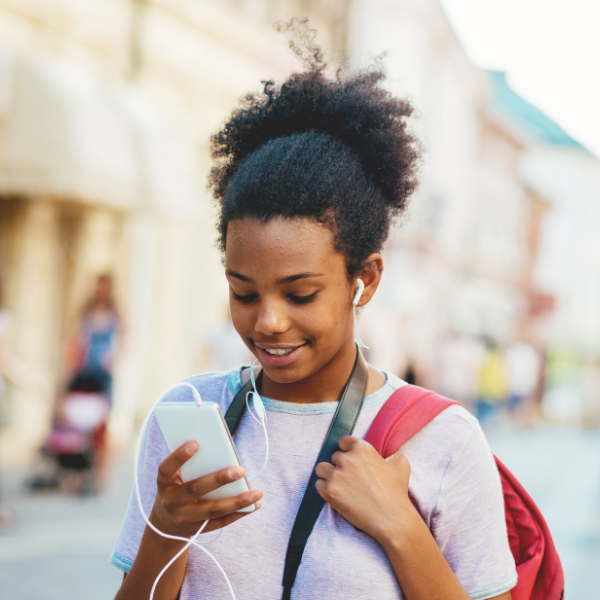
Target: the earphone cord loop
(263, 421)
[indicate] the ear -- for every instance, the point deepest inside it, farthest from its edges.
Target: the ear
(371, 277)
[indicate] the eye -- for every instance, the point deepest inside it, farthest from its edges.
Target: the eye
(302, 299)
(245, 299)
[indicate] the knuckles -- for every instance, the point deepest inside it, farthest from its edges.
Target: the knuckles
(179, 520)
(168, 505)
(342, 460)
(162, 473)
(214, 512)
(194, 488)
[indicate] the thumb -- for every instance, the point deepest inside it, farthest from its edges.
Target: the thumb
(392, 458)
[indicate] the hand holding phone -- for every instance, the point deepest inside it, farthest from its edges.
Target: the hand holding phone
(202, 478)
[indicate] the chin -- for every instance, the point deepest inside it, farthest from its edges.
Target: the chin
(285, 375)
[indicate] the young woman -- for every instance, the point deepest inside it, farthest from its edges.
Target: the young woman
(309, 177)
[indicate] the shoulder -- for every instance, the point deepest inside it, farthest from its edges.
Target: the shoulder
(452, 441)
(451, 428)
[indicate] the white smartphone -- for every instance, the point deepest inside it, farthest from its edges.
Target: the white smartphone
(181, 422)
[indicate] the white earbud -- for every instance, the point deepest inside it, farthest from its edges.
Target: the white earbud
(359, 290)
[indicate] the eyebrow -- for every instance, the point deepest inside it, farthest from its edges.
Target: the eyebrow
(288, 279)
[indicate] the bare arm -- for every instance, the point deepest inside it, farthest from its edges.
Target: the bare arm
(365, 489)
(420, 565)
(178, 510)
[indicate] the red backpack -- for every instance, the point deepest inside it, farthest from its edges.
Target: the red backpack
(540, 574)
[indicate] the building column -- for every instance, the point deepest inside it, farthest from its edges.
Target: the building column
(37, 330)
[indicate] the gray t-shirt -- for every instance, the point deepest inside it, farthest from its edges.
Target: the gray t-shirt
(453, 479)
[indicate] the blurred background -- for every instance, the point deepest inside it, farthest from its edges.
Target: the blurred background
(111, 288)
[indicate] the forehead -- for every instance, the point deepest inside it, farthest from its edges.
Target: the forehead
(281, 247)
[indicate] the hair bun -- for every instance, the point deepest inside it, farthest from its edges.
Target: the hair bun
(355, 109)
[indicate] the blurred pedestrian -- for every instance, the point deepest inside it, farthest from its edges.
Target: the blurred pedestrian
(97, 337)
(460, 361)
(92, 352)
(493, 385)
(523, 364)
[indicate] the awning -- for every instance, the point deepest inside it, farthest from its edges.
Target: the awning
(168, 163)
(64, 136)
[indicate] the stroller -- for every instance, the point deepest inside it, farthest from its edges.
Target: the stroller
(76, 445)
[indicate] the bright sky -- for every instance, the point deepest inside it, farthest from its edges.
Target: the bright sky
(550, 50)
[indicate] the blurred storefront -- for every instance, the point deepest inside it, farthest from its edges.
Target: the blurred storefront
(105, 115)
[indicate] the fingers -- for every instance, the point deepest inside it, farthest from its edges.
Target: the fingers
(347, 442)
(399, 462)
(229, 519)
(216, 509)
(323, 470)
(169, 467)
(197, 488)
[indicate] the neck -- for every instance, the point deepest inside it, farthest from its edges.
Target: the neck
(326, 385)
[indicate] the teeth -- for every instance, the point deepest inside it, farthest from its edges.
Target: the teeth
(281, 352)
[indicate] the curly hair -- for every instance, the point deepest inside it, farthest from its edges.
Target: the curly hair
(335, 149)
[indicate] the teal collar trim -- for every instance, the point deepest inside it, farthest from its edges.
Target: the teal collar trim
(234, 382)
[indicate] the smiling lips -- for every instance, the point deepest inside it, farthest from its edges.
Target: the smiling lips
(279, 354)
(276, 352)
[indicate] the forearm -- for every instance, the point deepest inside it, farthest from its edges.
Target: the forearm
(154, 553)
(418, 562)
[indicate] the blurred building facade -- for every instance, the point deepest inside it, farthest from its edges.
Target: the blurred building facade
(459, 266)
(106, 109)
(566, 274)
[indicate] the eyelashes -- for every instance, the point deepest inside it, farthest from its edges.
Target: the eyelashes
(244, 299)
(296, 299)
(302, 299)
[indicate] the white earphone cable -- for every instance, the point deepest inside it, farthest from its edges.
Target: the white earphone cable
(189, 541)
(260, 417)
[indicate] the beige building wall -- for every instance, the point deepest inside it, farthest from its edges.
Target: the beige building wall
(189, 61)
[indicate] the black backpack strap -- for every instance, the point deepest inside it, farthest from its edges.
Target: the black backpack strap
(342, 424)
(238, 404)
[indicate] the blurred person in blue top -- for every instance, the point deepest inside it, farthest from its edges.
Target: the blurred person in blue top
(97, 338)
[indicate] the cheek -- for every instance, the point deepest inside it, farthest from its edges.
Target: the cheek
(326, 321)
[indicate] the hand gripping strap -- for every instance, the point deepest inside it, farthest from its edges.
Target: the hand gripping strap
(404, 414)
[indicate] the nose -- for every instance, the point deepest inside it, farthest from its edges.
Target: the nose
(272, 318)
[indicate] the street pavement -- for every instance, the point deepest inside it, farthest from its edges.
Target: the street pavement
(59, 547)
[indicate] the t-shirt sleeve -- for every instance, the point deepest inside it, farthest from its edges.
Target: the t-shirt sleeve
(468, 521)
(152, 452)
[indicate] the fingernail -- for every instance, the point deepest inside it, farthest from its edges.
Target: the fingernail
(191, 447)
(234, 473)
(254, 496)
